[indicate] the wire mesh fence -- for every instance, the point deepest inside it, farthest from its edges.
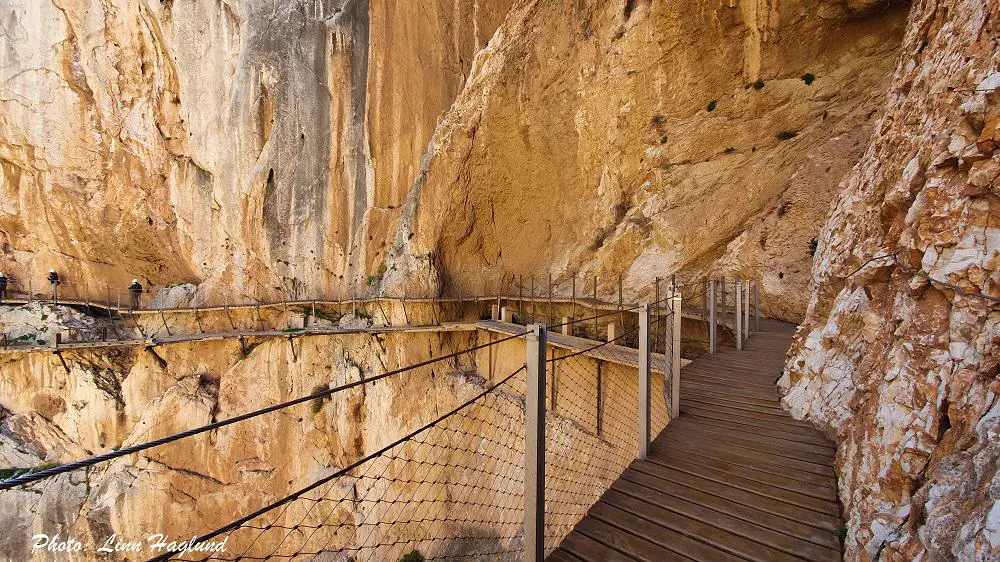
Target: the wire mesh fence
(452, 488)
(594, 406)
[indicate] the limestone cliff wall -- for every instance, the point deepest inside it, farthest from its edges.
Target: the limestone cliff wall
(639, 139)
(247, 144)
(898, 356)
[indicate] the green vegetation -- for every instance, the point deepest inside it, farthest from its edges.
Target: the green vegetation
(8, 473)
(758, 85)
(324, 315)
(813, 245)
(374, 280)
(785, 135)
(711, 105)
(290, 330)
(412, 556)
(808, 78)
(842, 532)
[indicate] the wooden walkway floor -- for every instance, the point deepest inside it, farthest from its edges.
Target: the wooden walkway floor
(733, 478)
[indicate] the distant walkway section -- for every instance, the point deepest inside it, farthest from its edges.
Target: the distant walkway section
(732, 478)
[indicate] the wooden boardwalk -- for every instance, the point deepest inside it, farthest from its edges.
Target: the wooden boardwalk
(733, 478)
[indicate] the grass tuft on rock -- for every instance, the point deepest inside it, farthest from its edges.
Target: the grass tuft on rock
(808, 78)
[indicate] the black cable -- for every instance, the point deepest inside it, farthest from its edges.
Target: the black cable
(69, 467)
(613, 312)
(561, 357)
(295, 495)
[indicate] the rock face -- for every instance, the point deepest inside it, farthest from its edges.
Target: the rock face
(249, 145)
(261, 148)
(898, 356)
(639, 139)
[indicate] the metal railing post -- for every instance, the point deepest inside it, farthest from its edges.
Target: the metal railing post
(675, 360)
(756, 299)
(644, 357)
(746, 311)
(534, 445)
(713, 322)
(737, 316)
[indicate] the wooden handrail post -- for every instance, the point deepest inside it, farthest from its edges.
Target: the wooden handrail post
(737, 313)
(644, 357)
(675, 359)
(713, 325)
(534, 445)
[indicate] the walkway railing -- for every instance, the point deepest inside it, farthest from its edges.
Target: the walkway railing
(506, 470)
(712, 301)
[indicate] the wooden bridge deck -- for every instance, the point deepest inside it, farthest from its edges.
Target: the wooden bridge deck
(733, 478)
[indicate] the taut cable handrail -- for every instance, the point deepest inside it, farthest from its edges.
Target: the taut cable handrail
(69, 467)
(575, 321)
(602, 344)
(316, 484)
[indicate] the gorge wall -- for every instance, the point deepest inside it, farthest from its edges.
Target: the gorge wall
(250, 146)
(639, 139)
(259, 148)
(898, 356)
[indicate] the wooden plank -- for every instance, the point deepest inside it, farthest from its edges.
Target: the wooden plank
(795, 468)
(586, 548)
(789, 449)
(560, 555)
(750, 514)
(751, 530)
(780, 432)
(821, 453)
(767, 392)
(735, 376)
(735, 405)
(819, 491)
(777, 419)
(706, 387)
(748, 483)
(738, 495)
(698, 414)
(714, 537)
(658, 534)
(636, 548)
(815, 459)
(723, 399)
